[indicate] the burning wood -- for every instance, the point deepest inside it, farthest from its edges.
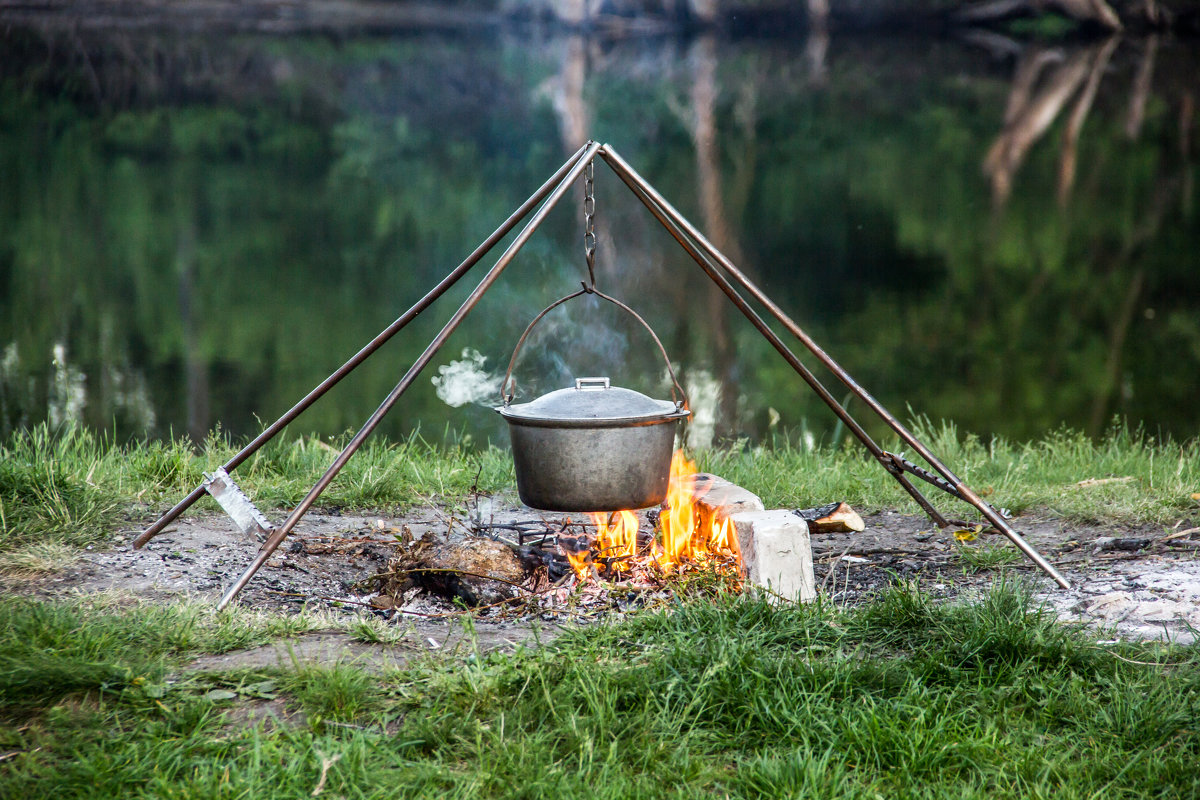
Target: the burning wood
(685, 536)
(477, 571)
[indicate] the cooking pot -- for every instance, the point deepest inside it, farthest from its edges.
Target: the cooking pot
(593, 447)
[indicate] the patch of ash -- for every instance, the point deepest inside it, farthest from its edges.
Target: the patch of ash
(1149, 592)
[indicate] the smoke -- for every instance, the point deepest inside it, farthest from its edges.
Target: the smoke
(571, 343)
(584, 338)
(466, 381)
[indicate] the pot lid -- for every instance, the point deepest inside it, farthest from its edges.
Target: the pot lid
(592, 400)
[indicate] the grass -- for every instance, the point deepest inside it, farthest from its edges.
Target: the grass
(1043, 475)
(988, 557)
(729, 697)
(107, 642)
(67, 489)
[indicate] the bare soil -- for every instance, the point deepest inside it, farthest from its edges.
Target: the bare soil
(1128, 582)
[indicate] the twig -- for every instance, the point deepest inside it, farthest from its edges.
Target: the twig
(1179, 535)
(449, 520)
(877, 551)
(833, 567)
(1102, 481)
(326, 763)
(1140, 663)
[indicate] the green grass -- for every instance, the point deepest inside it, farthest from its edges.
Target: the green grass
(1041, 475)
(70, 488)
(722, 698)
(65, 490)
(109, 643)
(978, 558)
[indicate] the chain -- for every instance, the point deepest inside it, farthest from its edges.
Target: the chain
(589, 225)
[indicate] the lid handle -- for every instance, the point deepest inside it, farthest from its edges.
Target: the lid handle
(586, 384)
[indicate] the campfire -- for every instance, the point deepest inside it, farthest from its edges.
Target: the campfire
(707, 536)
(685, 536)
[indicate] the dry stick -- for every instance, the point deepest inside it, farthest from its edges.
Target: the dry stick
(1179, 535)
(1141, 663)
(833, 567)
(326, 763)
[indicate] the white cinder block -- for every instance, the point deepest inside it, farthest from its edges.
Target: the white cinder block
(717, 498)
(776, 553)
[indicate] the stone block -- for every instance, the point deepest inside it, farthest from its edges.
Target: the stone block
(776, 553)
(718, 499)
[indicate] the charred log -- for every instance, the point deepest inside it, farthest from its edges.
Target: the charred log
(476, 571)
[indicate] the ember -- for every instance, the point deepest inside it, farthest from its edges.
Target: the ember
(684, 537)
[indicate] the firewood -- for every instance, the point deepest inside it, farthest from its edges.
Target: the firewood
(832, 518)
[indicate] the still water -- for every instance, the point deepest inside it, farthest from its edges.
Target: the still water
(196, 229)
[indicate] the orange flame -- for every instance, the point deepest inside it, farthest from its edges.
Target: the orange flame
(617, 536)
(686, 533)
(579, 563)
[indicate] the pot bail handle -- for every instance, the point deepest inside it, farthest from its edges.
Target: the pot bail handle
(508, 388)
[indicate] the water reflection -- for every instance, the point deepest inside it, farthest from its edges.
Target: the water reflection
(206, 227)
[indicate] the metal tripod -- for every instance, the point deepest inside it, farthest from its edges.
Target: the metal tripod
(715, 264)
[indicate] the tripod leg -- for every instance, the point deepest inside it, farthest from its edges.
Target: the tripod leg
(852, 424)
(442, 287)
(277, 537)
(653, 200)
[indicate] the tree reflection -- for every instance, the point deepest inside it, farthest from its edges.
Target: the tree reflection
(223, 221)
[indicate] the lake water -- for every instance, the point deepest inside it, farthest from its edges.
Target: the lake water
(196, 229)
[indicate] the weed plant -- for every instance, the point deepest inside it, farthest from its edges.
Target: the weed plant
(726, 697)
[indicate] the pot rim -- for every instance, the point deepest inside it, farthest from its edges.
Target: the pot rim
(589, 423)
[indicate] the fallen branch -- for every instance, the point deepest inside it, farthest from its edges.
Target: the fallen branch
(1178, 535)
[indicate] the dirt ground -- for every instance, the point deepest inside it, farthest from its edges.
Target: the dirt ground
(1128, 582)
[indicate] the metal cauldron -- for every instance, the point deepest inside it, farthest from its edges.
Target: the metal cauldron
(594, 447)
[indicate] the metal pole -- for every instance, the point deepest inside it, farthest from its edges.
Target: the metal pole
(628, 174)
(505, 259)
(706, 264)
(442, 287)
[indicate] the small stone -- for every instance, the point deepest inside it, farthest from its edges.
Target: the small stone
(776, 553)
